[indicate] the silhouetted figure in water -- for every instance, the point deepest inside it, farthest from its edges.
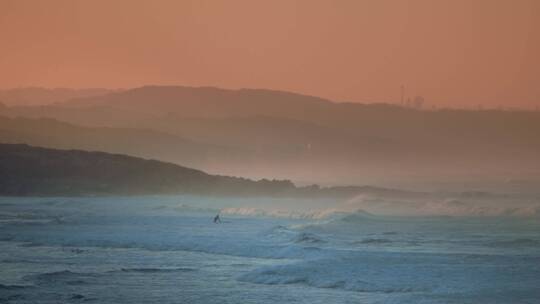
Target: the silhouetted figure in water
(217, 219)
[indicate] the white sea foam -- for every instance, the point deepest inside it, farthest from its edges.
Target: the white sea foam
(316, 214)
(446, 205)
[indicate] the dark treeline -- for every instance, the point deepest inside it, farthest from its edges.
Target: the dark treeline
(28, 171)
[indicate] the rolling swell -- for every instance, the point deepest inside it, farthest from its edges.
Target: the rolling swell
(81, 278)
(306, 237)
(14, 287)
(292, 247)
(156, 270)
(392, 272)
(60, 276)
(515, 243)
(373, 241)
(320, 277)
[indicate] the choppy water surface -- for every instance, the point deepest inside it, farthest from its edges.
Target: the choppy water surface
(166, 250)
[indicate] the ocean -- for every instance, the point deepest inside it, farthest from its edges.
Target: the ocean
(166, 249)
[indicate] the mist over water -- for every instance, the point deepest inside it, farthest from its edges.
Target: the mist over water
(166, 249)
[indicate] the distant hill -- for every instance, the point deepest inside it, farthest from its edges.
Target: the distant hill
(35, 171)
(370, 120)
(33, 96)
(305, 138)
(147, 143)
(26, 170)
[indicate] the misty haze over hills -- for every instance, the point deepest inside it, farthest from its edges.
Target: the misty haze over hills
(263, 133)
(40, 96)
(46, 132)
(40, 171)
(36, 171)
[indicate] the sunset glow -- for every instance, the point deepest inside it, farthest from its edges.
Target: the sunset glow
(453, 53)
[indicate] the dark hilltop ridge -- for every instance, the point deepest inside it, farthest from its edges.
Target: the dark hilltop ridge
(36, 171)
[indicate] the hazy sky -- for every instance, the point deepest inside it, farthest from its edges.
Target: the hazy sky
(458, 53)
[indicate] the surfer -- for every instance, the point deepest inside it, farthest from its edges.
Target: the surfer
(217, 219)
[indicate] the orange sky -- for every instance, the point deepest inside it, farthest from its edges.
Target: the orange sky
(454, 53)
